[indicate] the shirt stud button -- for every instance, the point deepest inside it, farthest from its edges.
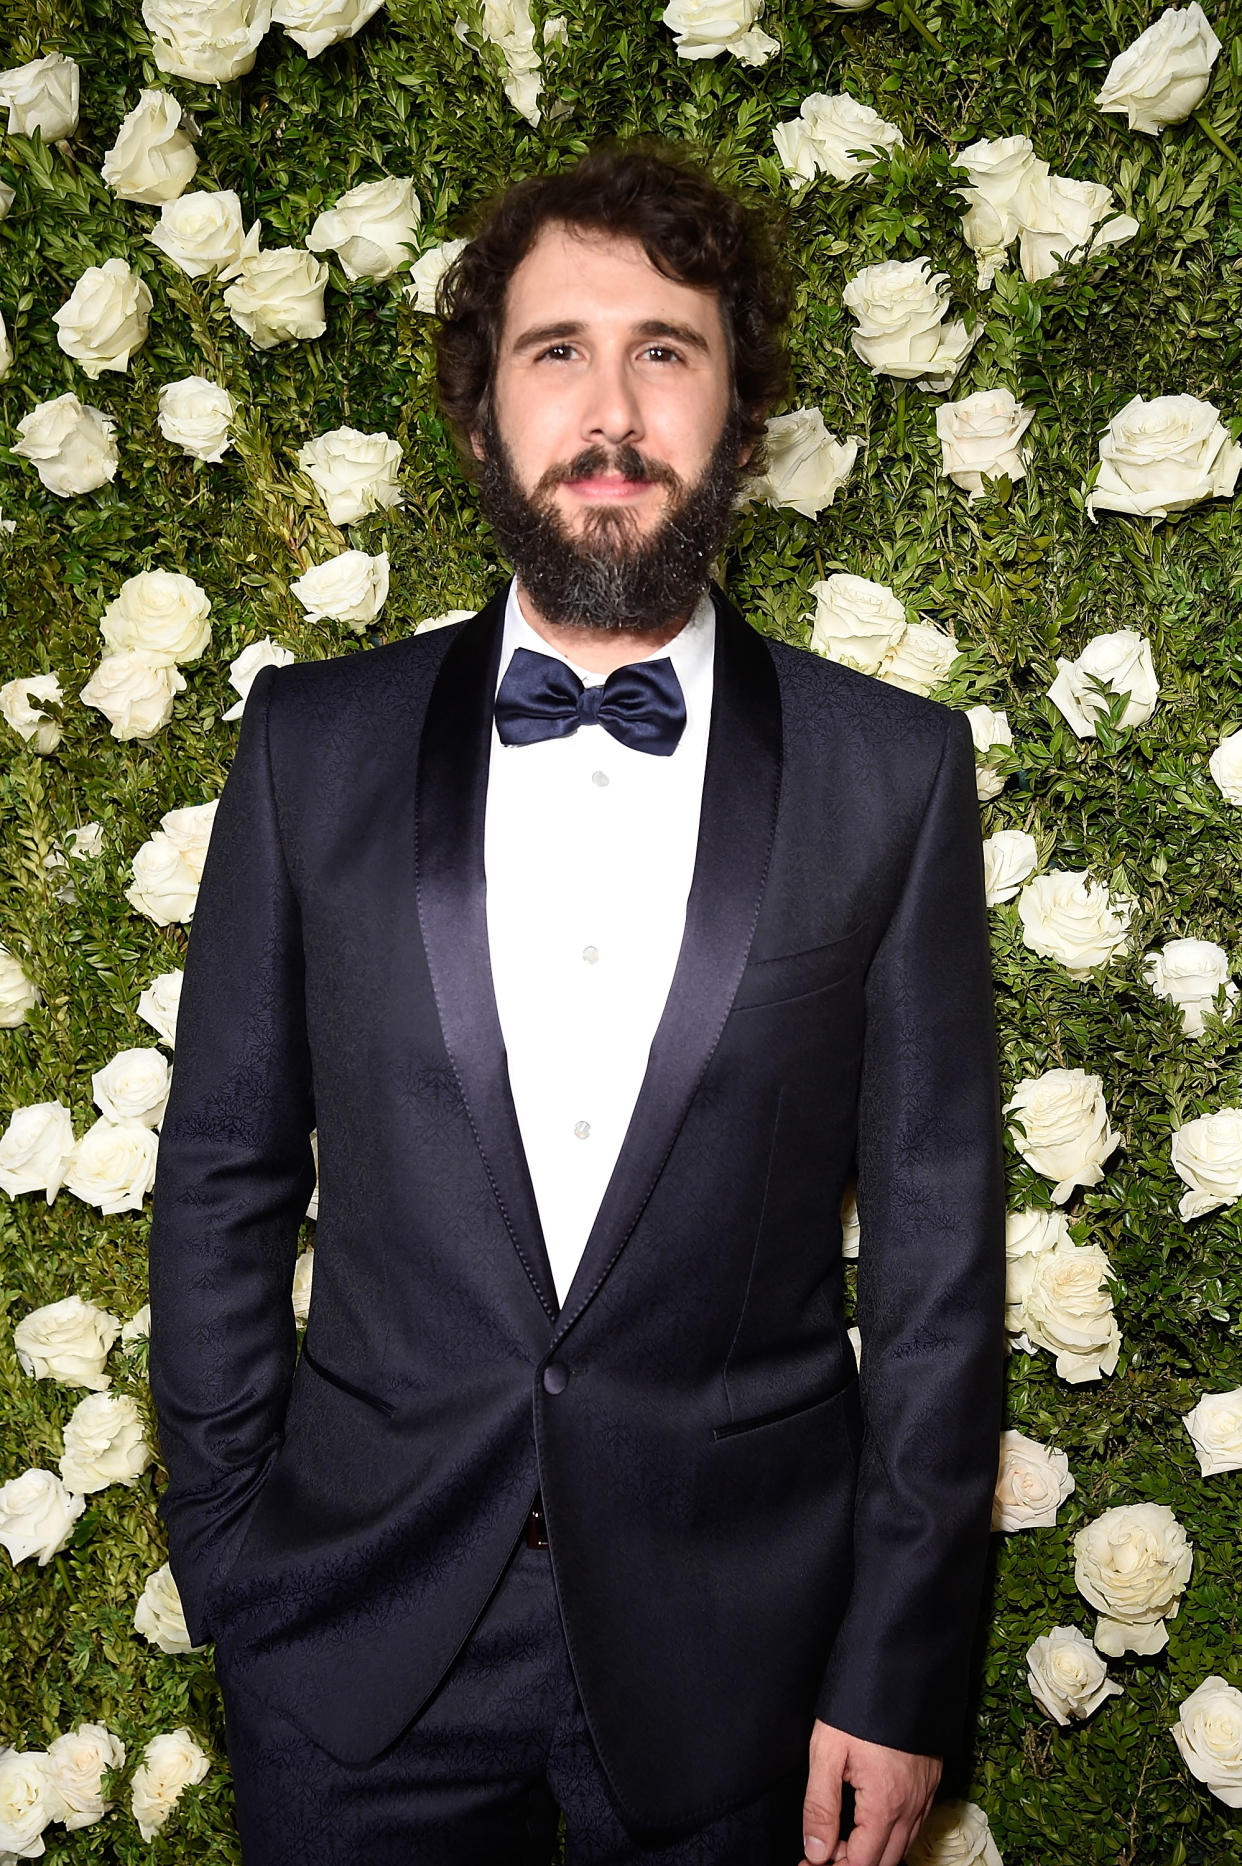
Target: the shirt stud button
(600, 778)
(582, 1129)
(590, 954)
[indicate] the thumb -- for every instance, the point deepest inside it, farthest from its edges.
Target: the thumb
(821, 1817)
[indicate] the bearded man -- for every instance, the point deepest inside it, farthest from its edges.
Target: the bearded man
(602, 941)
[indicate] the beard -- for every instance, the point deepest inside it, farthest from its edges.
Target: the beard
(609, 575)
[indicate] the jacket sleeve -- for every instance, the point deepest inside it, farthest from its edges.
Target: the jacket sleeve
(234, 1174)
(931, 1282)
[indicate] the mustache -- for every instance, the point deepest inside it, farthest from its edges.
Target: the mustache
(625, 462)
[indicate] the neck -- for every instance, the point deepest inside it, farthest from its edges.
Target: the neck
(601, 649)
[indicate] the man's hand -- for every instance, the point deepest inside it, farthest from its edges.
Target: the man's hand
(893, 1791)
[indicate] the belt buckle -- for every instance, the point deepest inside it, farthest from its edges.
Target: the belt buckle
(536, 1528)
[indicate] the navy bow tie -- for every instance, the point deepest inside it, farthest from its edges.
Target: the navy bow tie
(541, 698)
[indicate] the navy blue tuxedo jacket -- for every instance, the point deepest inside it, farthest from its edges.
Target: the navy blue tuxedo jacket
(743, 1533)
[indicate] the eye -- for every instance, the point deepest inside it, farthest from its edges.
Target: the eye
(665, 350)
(552, 347)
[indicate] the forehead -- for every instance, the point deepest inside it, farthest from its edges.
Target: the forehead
(603, 281)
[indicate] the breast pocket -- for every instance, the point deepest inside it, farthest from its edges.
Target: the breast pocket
(795, 974)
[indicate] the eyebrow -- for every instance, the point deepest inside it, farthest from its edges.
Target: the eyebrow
(650, 327)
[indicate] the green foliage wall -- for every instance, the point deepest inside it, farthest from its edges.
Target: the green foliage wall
(1021, 576)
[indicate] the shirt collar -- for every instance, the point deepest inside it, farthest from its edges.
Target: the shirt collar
(690, 650)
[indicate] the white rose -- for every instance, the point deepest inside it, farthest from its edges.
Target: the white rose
(315, 24)
(303, 1273)
(1162, 455)
(1225, 764)
(955, 1833)
(1164, 73)
(354, 473)
(202, 232)
(43, 96)
(1121, 659)
(207, 41)
(370, 229)
(1067, 1309)
(920, 658)
(67, 1341)
(1215, 1428)
(104, 319)
(427, 271)
(820, 138)
(244, 667)
(159, 1615)
(153, 158)
(29, 1801)
(135, 692)
(312, 1204)
(1133, 1563)
(851, 1229)
(1062, 215)
(855, 1341)
(900, 309)
(450, 616)
(1067, 1135)
(856, 620)
(133, 1086)
(1066, 1674)
(706, 28)
(171, 1763)
(350, 587)
(35, 1149)
(1190, 972)
(70, 444)
(194, 414)
(162, 613)
(18, 993)
(807, 466)
(1207, 1155)
(165, 885)
(113, 1166)
(1208, 1734)
(980, 434)
(77, 1761)
(104, 1443)
(7, 197)
(1067, 916)
(989, 728)
(37, 1514)
(6, 350)
(1008, 858)
(138, 1327)
(37, 727)
(1028, 1234)
(158, 1004)
(1003, 174)
(278, 296)
(1032, 1483)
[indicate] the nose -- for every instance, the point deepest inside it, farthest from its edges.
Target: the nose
(611, 411)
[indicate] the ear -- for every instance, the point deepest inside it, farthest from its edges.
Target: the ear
(476, 445)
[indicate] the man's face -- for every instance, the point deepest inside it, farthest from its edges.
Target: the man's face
(611, 457)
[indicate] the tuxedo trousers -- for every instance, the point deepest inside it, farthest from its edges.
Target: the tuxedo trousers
(482, 1772)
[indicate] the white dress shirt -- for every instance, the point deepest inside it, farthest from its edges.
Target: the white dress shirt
(589, 850)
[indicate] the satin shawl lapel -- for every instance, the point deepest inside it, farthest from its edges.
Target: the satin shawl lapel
(451, 795)
(737, 824)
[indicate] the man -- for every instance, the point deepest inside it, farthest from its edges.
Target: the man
(600, 939)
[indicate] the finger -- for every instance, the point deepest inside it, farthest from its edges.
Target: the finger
(821, 1814)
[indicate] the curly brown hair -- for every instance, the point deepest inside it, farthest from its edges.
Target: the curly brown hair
(691, 229)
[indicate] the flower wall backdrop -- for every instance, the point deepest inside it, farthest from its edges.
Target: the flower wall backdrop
(1007, 476)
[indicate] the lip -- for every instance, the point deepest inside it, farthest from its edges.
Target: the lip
(609, 487)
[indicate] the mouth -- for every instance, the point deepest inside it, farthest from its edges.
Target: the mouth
(610, 486)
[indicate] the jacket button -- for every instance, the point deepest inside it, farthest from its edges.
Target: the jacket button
(555, 1377)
